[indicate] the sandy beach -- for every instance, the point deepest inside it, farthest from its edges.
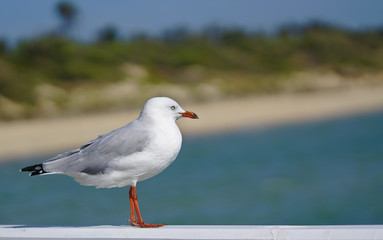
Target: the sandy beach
(51, 136)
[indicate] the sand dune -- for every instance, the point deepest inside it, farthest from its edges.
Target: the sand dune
(50, 136)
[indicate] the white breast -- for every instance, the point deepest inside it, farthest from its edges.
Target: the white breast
(162, 150)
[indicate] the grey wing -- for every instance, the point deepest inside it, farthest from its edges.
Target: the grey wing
(95, 156)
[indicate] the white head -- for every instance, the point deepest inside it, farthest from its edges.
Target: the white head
(165, 108)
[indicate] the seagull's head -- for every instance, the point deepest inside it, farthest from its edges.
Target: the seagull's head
(167, 108)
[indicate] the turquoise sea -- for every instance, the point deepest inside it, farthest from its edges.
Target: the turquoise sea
(325, 172)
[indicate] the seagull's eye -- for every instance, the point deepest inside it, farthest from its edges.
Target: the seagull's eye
(173, 107)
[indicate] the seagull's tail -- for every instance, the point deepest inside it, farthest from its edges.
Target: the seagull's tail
(34, 169)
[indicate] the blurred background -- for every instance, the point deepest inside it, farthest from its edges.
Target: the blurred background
(302, 81)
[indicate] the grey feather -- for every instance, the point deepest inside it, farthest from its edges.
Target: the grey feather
(92, 157)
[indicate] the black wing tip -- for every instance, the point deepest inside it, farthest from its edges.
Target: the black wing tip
(34, 169)
(31, 168)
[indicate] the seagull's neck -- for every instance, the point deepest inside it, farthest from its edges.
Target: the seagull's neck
(157, 121)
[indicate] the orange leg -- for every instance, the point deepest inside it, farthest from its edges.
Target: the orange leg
(132, 219)
(134, 206)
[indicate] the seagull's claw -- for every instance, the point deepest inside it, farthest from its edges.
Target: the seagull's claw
(133, 222)
(149, 225)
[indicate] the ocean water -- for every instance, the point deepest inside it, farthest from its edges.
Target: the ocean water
(327, 172)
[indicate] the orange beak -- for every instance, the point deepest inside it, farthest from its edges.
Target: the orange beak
(189, 115)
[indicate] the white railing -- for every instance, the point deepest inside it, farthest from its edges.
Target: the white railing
(337, 232)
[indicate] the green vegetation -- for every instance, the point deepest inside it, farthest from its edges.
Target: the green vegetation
(51, 75)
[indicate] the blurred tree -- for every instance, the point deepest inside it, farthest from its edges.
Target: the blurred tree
(232, 59)
(212, 33)
(176, 35)
(68, 13)
(234, 36)
(3, 47)
(107, 34)
(290, 30)
(140, 36)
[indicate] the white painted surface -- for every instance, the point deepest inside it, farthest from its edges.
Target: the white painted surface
(352, 232)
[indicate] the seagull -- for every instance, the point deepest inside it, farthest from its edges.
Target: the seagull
(135, 152)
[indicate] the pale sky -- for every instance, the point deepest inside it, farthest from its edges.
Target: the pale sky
(25, 18)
